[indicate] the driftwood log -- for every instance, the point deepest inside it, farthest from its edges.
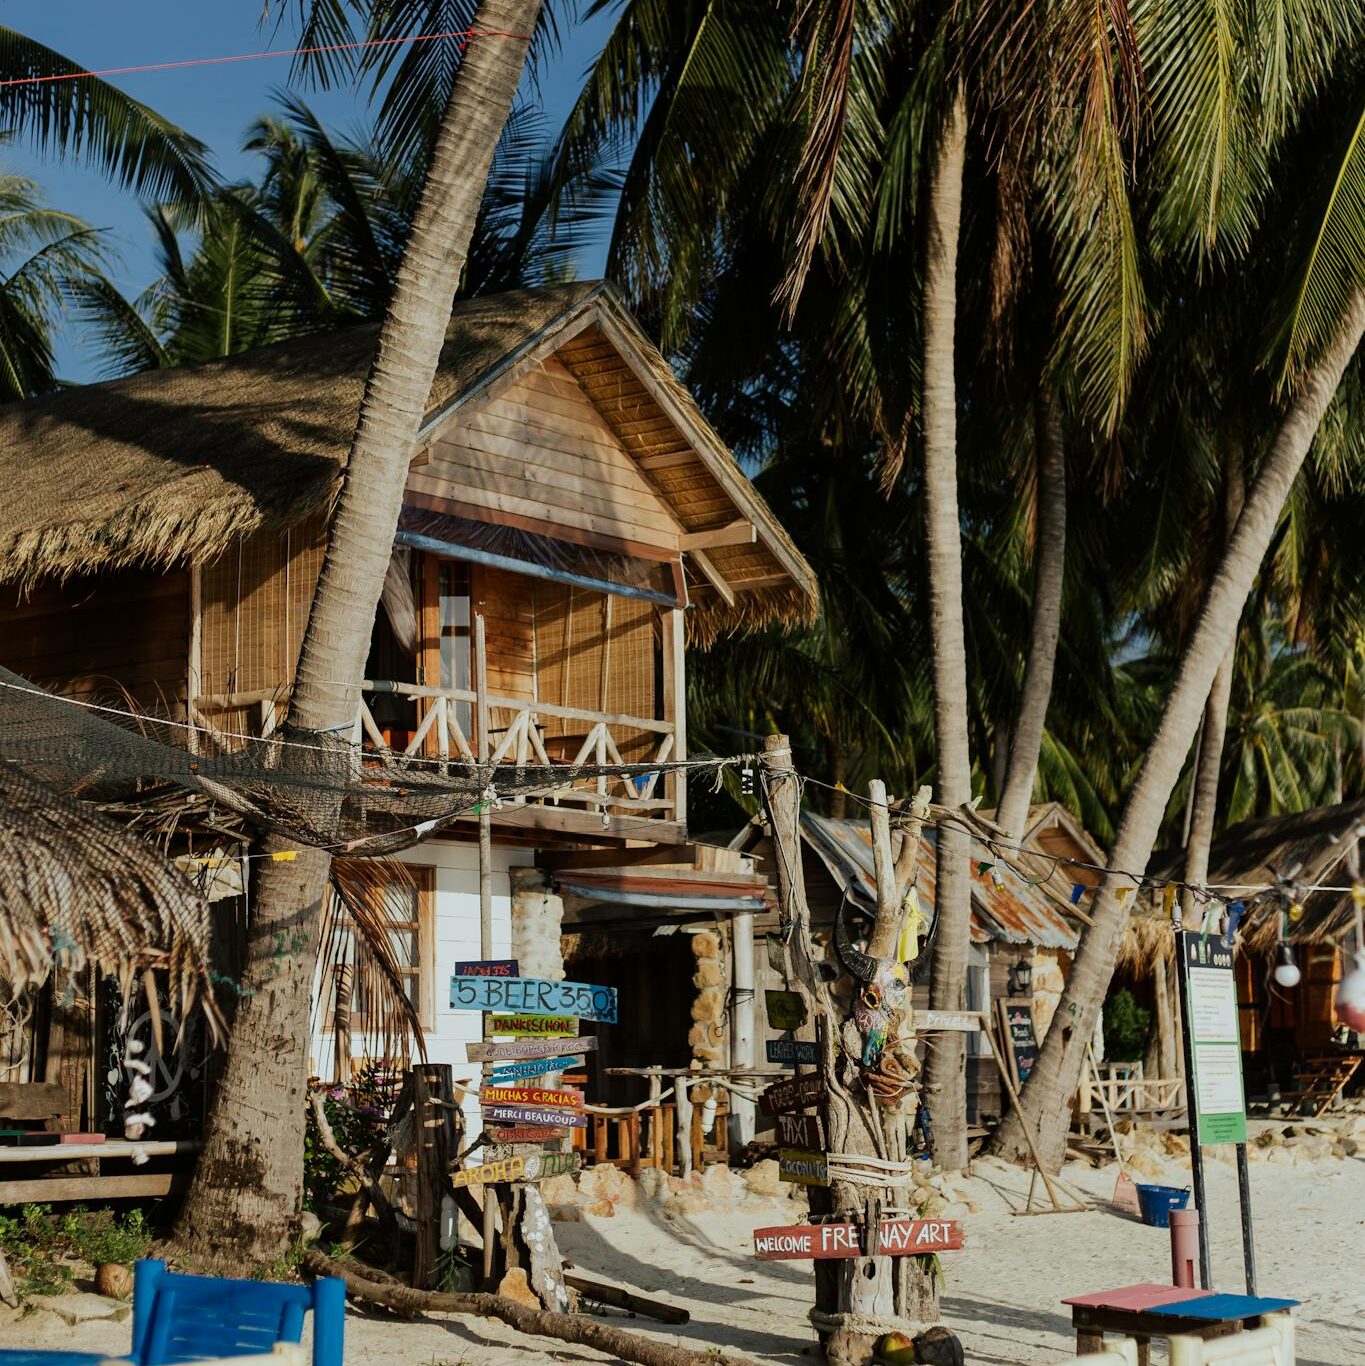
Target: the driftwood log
(577, 1328)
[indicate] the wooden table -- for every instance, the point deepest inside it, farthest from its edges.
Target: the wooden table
(1148, 1311)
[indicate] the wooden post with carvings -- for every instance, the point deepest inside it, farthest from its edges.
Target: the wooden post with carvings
(857, 1299)
(434, 1128)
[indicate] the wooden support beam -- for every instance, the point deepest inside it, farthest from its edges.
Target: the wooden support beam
(713, 576)
(739, 532)
(62, 1189)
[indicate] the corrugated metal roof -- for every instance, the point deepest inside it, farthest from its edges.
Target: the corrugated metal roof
(1014, 914)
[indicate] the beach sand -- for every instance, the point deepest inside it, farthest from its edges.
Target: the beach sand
(1004, 1288)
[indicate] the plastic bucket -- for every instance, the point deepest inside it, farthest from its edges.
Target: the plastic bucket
(1157, 1202)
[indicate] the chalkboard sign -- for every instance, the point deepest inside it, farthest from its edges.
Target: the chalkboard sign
(1021, 1044)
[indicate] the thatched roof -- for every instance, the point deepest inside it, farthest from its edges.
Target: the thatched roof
(172, 466)
(1304, 848)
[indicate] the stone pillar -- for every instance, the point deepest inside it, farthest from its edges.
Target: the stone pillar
(707, 1035)
(537, 914)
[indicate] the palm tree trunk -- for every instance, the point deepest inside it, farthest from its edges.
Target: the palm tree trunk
(1209, 760)
(245, 1201)
(946, 1071)
(1052, 1082)
(1046, 624)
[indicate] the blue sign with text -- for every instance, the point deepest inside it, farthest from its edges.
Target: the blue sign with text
(531, 996)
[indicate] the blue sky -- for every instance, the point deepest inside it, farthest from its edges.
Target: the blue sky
(215, 103)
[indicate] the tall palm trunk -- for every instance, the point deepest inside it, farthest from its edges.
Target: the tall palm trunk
(946, 1071)
(1209, 764)
(245, 1201)
(1054, 1079)
(1046, 623)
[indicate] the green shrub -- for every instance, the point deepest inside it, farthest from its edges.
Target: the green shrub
(358, 1116)
(1125, 1027)
(47, 1251)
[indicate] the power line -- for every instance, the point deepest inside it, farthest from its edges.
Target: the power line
(463, 36)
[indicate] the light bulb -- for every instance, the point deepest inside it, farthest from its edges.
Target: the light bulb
(1287, 972)
(1350, 1001)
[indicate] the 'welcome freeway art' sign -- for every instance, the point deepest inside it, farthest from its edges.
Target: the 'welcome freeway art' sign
(532, 996)
(899, 1238)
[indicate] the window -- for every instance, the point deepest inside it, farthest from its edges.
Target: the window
(406, 898)
(978, 996)
(456, 668)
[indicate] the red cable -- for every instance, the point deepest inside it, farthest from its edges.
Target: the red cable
(258, 56)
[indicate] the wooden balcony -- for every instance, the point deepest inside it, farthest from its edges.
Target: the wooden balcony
(515, 733)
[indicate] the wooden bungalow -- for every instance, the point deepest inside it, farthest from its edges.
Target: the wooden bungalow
(1292, 1040)
(571, 526)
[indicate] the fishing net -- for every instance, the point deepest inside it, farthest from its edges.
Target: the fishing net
(320, 789)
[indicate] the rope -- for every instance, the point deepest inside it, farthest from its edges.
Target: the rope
(873, 1325)
(858, 1169)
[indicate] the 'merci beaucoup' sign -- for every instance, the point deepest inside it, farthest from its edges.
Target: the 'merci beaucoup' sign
(532, 996)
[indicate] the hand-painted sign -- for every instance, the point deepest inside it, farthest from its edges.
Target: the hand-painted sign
(535, 1026)
(544, 1137)
(537, 1067)
(777, 954)
(539, 1166)
(800, 1131)
(499, 967)
(504, 1169)
(533, 996)
(530, 1048)
(534, 1115)
(786, 1009)
(797, 1094)
(1020, 1038)
(531, 1095)
(790, 1052)
(949, 1021)
(1215, 1038)
(806, 1168)
(899, 1238)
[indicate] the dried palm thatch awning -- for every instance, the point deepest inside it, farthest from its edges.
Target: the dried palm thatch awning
(1304, 848)
(173, 466)
(77, 888)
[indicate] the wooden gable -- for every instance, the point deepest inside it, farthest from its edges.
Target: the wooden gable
(538, 455)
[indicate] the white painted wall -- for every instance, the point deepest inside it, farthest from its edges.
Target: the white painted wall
(456, 923)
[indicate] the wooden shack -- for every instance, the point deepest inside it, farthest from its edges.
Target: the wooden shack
(571, 527)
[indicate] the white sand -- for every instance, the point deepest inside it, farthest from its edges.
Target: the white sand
(1003, 1289)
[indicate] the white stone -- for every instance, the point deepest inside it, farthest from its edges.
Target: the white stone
(82, 1307)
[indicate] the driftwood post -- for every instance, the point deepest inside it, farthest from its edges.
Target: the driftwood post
(857, 1300)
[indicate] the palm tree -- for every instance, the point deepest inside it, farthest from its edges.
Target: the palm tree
(1322, 330)
(245, 1200)
(63, 111)
(43, 254)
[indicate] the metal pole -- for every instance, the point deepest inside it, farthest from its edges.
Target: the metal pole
(485, 815)
(1244, 1200)
(1182, 972)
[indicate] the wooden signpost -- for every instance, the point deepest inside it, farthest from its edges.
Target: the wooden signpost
(531, 1095)
(521, 1167)
(800, 1131)
(800, 1093)
(535, 1116)
(501, 967)
(786, 1009)
(512, 1051)
(534, 996)
(790, 1052)
(1021, 1044)
(820, 1242)
(535, 1026)
(537, 1067)
(805, 1168)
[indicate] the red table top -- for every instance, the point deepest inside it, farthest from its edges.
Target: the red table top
(1136, 1298)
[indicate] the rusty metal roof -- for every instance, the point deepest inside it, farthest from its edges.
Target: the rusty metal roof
(1014, 913)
